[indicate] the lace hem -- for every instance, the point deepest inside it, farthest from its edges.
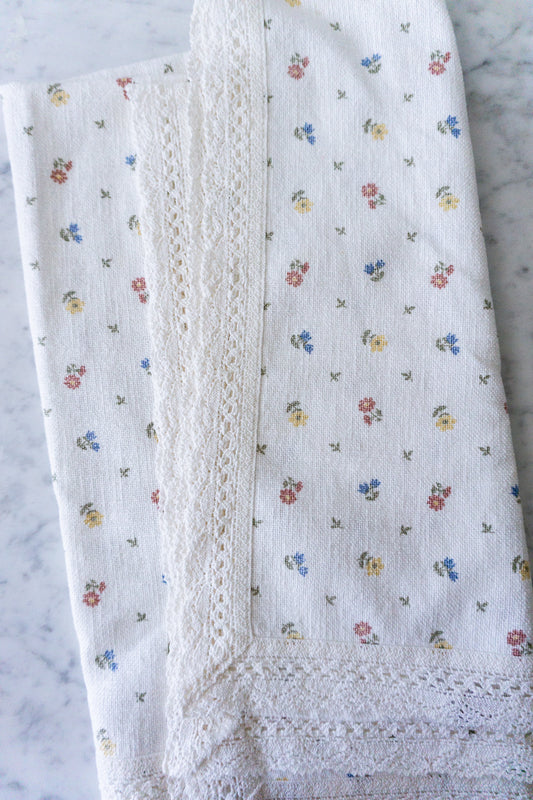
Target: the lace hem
(140, 778)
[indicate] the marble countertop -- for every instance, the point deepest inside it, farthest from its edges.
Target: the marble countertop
(46, 750)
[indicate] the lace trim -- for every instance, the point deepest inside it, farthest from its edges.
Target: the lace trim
(402, 709)
(132, 779)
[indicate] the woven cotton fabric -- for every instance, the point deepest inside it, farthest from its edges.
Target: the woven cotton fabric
(261, 309)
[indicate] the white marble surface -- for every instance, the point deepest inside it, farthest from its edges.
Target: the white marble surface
(46, 751)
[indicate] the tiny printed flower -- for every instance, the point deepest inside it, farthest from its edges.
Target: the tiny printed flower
(107, 661)
(375, 271)
(131, 161)
(370, 489)
(294, 3)
(445, 421)
(371, 413)
(298, 66)
(73, 377)
(447, 199)
(145, 364)
(372, 64)
(134, 224)
(438, 641)
(72, 233)
(107, 746)
(59, 172)
(517, 639)
(449, 342)
(296, 562)
(139, 286)
(378, 130)
(307, 132)
(363, 631)
(123, 82)
(295, 276)
(439, 494)
(58, 96)
(373, 196)
(450, 125)
(290, 490)
(374, 566)
(91, 517)
(289, 629)
(93, 593)
(72, 381)
(297, 417)
(437, 62)
(302, 340)
(302, 203)
(521, 566)
(88, 442)
(376, 341)
(73, 303)
(515, 491)
(446, 567)
(441, 274)
(155, 497)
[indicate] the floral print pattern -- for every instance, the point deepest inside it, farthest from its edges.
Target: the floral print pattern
(73, 303)
(521, 566)
(306, 131)
(377, 129)
(88, 442)
(448, 201)
(297, 416)
(372, 565)
(449, 342)
(439, 494)
(450, 124)
(58, 96)
(290, 491)
(446, 567)
(302, 204)
(72, 233)
(91, 517)
(375, 271)
(74, 375)
(295, 276)
(302, 340)
(370, 413)
(445, 421)
(370, 489)
(298, 66)
(440, 276)
(107, 661)
(373, 195)
(59, 172)
(363, 630)
(372, 63)
(376, 341)
(437, 62)
(93, 593)
(296, 562)
(517, 639)
(139, 286)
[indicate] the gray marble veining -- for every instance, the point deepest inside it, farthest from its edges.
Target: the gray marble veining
(46, 751)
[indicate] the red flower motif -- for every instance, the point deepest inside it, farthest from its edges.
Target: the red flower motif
(287, 496)
(435, 502)
(450, 269)
(299, 486)
(447, 492)
(58, 176)
(305, 62)
(367, 404)
(369, 190)
(516, 652)
(72, 381)
(515, 637)
(362, 629)
(143, 298)
(123, 82)
(436, 68)
(439, 280)
(294, 278)
(82, 371)
(101, 587)
(447, 57)
(367, 420)
(68, 166)
(304, 267)
(138, 284)
(155, 497)
(91, 599)
(296, 71)
(372, 204)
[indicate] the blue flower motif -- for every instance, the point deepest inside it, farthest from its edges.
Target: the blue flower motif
(299, 558)
(380, 263)
(95, 446)
(311, 139)
(369, 269)
(453, 576)
(363, 488)
(515, 490)
(130, 160)
(451, 338)
(452, 121)
(164, 580)
(73, 227)
(376, 57)
(303, 571)
(455, 350)
(90, 436)
(145, 363)
(308, 128)
(308, 348)
(366, 62)
(109, 655)
(456, 132)
(305, 336)
(449, 563)
(374, 482)
(78, 238)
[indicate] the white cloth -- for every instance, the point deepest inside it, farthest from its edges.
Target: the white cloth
(328, 428)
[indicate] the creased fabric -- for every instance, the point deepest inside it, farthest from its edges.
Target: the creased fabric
(267, 354)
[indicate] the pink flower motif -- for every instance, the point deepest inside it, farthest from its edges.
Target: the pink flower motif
(82, 371)
(362, 629)
(367, 420)
(58, 175)
(447, 57)
(435, 502)
(447, 492)
(367, 404)
(516, 651)
(91, 599)
(305, 62)
(305, 266)
(436, 68)
(72, 381)
(369, 190)
(516, 637)
(287, 496)
(372, 204)
(439, 280)
(294, 278)
(299, 486)
(138, 284)
(155, 497)
(450, 270)
(101, 587)
(296, 71)
(123, 82)
(143, 298)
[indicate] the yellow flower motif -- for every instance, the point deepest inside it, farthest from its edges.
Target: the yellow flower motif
(379, 130)
(378, 342)
(303, 205)
(294, 3)
(108, 747)
(298, 418)
(294, 635)
(443, 645)
(75, 306)
(524, 571)
(93, 519)
(445, 422)
(374, 566)
(449, 201)
(60, 98)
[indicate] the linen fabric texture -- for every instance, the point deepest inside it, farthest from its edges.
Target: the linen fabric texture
(296, 484)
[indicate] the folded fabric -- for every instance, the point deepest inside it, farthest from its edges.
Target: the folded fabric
(293, 374)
